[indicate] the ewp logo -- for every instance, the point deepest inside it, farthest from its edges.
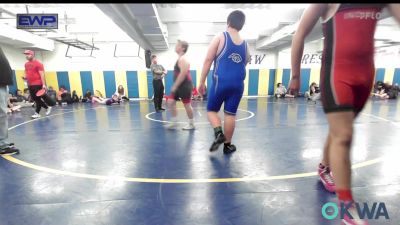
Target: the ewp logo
(330, 210)
(37, 21)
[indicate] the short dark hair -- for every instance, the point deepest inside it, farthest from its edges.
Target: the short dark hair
(153, 56)
(278, 84)
(184, 45)
(236, 19)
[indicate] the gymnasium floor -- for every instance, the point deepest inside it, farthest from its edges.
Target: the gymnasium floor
(117, 165)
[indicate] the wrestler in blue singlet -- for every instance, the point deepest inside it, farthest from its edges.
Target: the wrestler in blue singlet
(228, 77)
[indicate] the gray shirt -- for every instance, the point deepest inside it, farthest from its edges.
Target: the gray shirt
(157, 70)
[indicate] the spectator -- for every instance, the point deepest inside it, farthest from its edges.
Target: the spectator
(63, 96)
(195, 94)
(87, 97)
(27, 95)
(11, 107)
(18, 97)
(281, 92)
(121, 93)
(19, 100)
(391, 91)
(380, 90)
(52, 94)
(75, 98)
(107, 101)
(313, 93)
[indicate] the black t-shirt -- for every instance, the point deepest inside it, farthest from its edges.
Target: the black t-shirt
(5, 70)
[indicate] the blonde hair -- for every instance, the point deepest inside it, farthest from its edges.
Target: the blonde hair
(184, 45)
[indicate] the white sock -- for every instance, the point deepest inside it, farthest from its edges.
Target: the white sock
(173, 119)
(191, 121)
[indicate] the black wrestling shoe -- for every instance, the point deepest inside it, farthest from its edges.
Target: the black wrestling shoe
(219, 139)
(228, 149)
(9, 150)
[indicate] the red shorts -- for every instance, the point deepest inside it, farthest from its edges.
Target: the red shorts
(346, 88)
(176, 98)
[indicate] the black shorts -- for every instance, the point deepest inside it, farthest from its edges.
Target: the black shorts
(184, 92)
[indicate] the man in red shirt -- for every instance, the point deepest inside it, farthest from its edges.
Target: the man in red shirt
(34, 74)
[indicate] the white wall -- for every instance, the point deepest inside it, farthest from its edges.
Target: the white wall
(311, 56)
(269, 58)
(104, 58)
(387, 57)
(197, 53)
(16, 56)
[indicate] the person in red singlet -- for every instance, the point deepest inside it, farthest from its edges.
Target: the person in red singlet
(347, 75)
(182, 87)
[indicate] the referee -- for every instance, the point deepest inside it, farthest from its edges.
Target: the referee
(158, 74)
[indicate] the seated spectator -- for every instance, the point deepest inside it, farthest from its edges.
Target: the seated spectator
(313, 93)
(11, 107)
(281, 92)
(18, 97)
(63, 96)
(52, 94)
(20, 100)
(27, 95)
(75, 98)
(391, 91)
(107, 101)
(380, 90)
(59, 93)
(121, 93)
(87, 97)
(195, 94)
